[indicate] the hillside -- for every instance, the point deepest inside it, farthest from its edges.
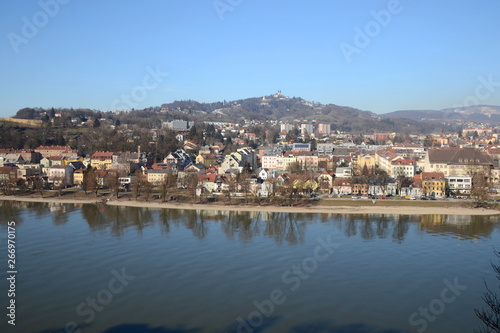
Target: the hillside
(289, 109)
(275, 107)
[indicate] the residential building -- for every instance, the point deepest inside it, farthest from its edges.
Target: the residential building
(156, 176)
(306, 129)
(457, 161)
(286, 127)
(384, 159)
(365, 160)
(78, 176)
(324, 129)
(325, 181)
(325, 148)
(11, 158)
(272, 160)
(308, 160)
(403, 168)
(102, 160)
(60, 173)
(8, 174)
(179, 158)
(301, 147)
(28, 155)
(65, 151)
(360, 189)
(433, 183)
(342, 186)
(459, 185)
(178, 125)
(343, 172)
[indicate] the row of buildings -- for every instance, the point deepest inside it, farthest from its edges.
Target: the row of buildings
(329, 168)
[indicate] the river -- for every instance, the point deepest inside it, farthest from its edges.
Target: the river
(97, 268)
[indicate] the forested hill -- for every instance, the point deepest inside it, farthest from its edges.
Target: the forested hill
(272, 107)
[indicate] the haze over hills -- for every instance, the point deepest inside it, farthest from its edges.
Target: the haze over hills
(476, 113)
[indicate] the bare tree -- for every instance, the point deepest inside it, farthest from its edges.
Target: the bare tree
(243, 183)
(273, 186)
(294, 167)
(490, 316)
(147, 188)
(480, 188)
(38, 185)
(192, 183)
(59, 185)
(4, 184)
(164, 189)
(382, 179)
(90, 183)
(403, 181)
(232, 185)
(113, 182)
(137, 184)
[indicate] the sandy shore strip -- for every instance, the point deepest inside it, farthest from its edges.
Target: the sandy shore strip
(368, 209)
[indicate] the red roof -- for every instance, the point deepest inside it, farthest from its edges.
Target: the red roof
(341, 182)
(402, 161)
(207, 178)
(102, 154)
(432, 176)
(54, 148)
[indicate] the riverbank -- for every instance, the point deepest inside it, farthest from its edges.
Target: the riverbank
(334, 207)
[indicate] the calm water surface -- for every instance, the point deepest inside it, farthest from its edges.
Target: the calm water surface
(89, 268)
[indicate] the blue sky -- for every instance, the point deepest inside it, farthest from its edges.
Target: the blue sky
(420, 54)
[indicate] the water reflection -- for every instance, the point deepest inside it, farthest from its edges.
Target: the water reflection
(462, 226)
(284, 228)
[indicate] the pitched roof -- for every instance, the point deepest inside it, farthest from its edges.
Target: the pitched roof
(54, 148)
(432, 176)
(402, 161)
(207, 178)
(106, 154)
(458, 156)
(341, 182)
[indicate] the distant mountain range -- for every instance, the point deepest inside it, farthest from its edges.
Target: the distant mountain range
(477, 113)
